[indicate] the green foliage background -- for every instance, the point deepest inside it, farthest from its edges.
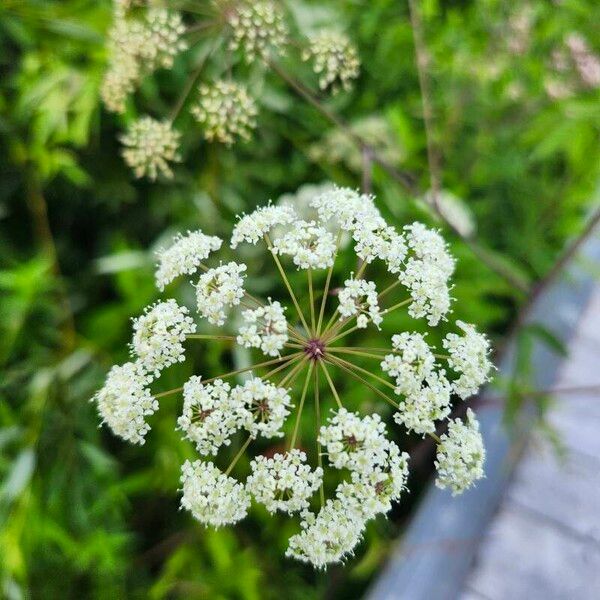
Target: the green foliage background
(83, 515)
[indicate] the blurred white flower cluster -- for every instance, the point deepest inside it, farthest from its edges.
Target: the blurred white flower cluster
(147, 35)
(300, 346)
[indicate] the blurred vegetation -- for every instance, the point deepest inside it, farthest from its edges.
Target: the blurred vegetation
(84, 515)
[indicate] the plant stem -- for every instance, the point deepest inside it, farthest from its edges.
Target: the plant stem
(291, 376)
(250, 368)
(294, 358)
(168, 392)
(365, 371)
(238, 456)
(312, 303)
(388, 289)
(327, 283)
(356, 352)
(330, 382)
(287, 283)
(364, 381)
(301, 407)
(198, 336)
(318, 427)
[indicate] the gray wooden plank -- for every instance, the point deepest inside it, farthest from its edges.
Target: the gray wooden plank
(576, 418)
(564, 490)
(526, 559)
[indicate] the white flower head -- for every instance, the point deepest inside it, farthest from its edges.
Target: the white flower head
(150, 146)
(419, 410)
(210, 415)
(264, 327)
(253, 227)
(211, 496)
(158, 335)
(218, 289)
(372, 493)
(359, 297)
(335, 58)
(226, 110)
(411, 363)
(284, 482)
(184, 256)
(328, 537)
(354, 443)
(346, 208)
(426, 273)
(125, 401)
(310, 246)
(469, 356)
(162, 38)
(266, 405)
(460, 456)
(257, 28)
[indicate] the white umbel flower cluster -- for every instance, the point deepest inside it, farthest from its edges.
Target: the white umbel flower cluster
(328, 537)
(184, 256)
(226, 111)
(158, 336)
(460, 456)
(335, 59)
(125, 401)
(354, 443)
(469, 356)
(150, 146)
(377, 479)
(258, 29)
(266, 407)
(210, 416)
(218, 289)
(253, 227)
(264, 327)
(358, 298)
(211, 496)
(310, 246)
(284, 482)
(136, 48)
(427, 272)
(373, 471)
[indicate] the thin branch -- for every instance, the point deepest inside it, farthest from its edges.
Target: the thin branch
(330, 382)
(334, 362)
(301, 407)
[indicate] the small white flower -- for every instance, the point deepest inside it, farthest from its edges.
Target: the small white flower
(258, 28)
(347, 209)
(210, 415)
(335, 59)
(163, 33)
(219, 288)
(460, 456)
(184, 256)
(211, 496)
(354, 443)
(468, 356)
(328, 537)
(266, 405)
(426, 274)
(420, 409)
(411, 363)
(372, 493)
(226, 110)
(265, 328)
(359, 297)
(310, 246)
(158, 335)
(125, 400)
(253, 227)
(149, 147)
(119, 81)
(283, 482)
